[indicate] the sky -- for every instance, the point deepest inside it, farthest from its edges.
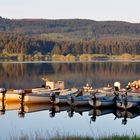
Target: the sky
(100, 10)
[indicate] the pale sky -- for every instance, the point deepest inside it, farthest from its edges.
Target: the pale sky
(125, 10)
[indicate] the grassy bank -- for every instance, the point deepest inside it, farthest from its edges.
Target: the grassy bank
(58, 137)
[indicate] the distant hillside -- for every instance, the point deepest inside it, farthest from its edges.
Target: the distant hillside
(68, 36)
(72, 27)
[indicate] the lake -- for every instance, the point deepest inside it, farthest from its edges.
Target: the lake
(43, 118)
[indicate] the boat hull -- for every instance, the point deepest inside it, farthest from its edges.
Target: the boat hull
(128, 102)
(30, 99)
(10, 97)
(78, 101)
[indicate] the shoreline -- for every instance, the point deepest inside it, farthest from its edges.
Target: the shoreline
(69, 58)
(89, 61)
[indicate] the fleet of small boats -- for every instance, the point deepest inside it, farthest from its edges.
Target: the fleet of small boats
(97, 102)
(55, 93)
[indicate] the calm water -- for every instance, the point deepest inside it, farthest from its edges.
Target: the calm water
(66, 120)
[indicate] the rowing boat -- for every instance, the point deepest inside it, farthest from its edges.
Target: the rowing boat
(102, 101)
(47, 98)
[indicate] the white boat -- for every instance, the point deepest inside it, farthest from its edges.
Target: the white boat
(12, 95)
(64, 96)
(49, 86)
(48, 98)
(110, 91)
(17, 95)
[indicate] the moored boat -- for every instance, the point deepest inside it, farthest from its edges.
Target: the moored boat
(127, 102)
(49, 86)
(11, 95)
(50, 97)
(78, 101)
(86, 99)
(103, 101)
(63, 98)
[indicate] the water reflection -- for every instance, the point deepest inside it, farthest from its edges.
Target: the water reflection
(26, 75)
(71, 119)
(126, 114)
(93, 113)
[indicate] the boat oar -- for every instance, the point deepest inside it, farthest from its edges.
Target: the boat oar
(3, 91)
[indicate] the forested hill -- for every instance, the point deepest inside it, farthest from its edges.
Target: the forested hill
(78, 27)
(68, 36)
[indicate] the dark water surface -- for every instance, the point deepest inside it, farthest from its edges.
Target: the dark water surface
(67, 120)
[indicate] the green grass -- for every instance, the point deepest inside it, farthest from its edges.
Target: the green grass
(68, 137)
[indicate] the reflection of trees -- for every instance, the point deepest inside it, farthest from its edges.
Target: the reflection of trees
(14, 70)
(99, 68)
(74, 74)
(100, 73)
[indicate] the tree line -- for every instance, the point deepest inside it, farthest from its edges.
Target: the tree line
(14, 43)
(69, 36)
